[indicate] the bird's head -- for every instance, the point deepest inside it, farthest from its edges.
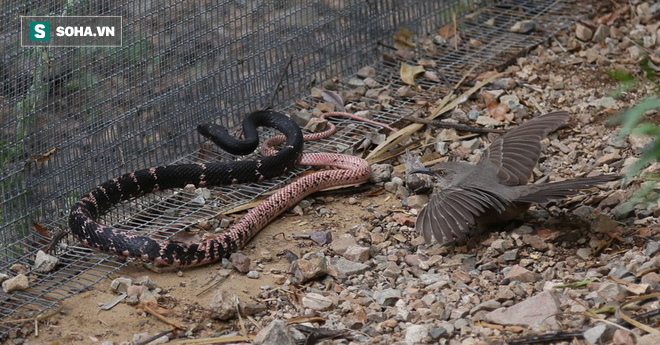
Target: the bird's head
(444, 175)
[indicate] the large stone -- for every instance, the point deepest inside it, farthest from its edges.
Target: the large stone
(521, 274)
(18, 283)
(602, 32)
(240, 261)
(417, 201)
(341, 244)
(121, 284)
(274, 334)
(357, 253)
(381, 172)
(649, 339)
(598, 334)
(316, 301)
(415, 334)
(583, 33)
(311, 266)
(537, 312)
(223, 305)
(387, 297)
(346, 268)
(45, 263)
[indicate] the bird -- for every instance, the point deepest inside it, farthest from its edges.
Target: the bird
(497, 188)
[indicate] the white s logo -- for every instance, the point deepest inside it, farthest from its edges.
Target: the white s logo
(39, 29)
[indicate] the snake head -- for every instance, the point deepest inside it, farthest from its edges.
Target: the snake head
(427, 171)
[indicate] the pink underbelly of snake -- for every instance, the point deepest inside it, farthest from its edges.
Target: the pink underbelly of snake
(349, 170)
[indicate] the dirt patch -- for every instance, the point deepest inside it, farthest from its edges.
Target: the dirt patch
(187, 293)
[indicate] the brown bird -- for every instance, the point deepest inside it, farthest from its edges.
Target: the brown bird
(495, 189)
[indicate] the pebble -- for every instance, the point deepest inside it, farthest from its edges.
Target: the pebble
(311, 266)
(602, 32)
(45, 263)
(652, 248)
(473, 115)
(316, 301)
(437, 333)
(510, 255)
(535, 241)
(521, 274)
(275, 333)
(223, 305)
(649, 339)
(121, 284)
(523, 26)
(381, 173)
(488, 121)
(341, 244)
(537, 312)
(346, 268)
(18, 283)
(584, 253)
(417, 201)
(597, 334)
(583, 33)
(387, 297)
(357, 253)
(321, 237)
(415, 334)
(240, 261)
(471, 145)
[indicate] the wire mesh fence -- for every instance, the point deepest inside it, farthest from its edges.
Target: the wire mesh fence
(71, 118)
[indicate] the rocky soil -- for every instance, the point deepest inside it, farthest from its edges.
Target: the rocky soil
(582, 270)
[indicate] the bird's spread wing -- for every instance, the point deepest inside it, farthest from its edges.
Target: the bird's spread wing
(450, 212)
(515, 153)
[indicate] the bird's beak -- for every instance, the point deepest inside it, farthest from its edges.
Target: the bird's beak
(425, 171)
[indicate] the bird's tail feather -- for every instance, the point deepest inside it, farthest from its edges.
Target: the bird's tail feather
(545, 192)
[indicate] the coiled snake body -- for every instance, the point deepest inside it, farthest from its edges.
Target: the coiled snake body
(350, 170)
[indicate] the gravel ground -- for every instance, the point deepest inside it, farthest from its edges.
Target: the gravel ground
(569, 272)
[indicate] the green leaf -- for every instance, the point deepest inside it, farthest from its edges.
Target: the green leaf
(620, 75)
(631, 117)
(576, 284)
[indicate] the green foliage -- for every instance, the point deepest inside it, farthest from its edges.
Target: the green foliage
(632, 124)
(649, 72)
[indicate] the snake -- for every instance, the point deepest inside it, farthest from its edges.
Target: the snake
(348, 170)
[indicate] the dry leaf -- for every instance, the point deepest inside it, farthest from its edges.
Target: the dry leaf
(41, 230)
(447, 31)
(498, 111)
(432, 76)
(186, 237)
(334, 98)
(637, 289)
(402, 38)
(486, 75)
(489, 98)
(609, 19)
(44, 157)
(427, 63)
(405, 54)
(408, 73)
(455, 41)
